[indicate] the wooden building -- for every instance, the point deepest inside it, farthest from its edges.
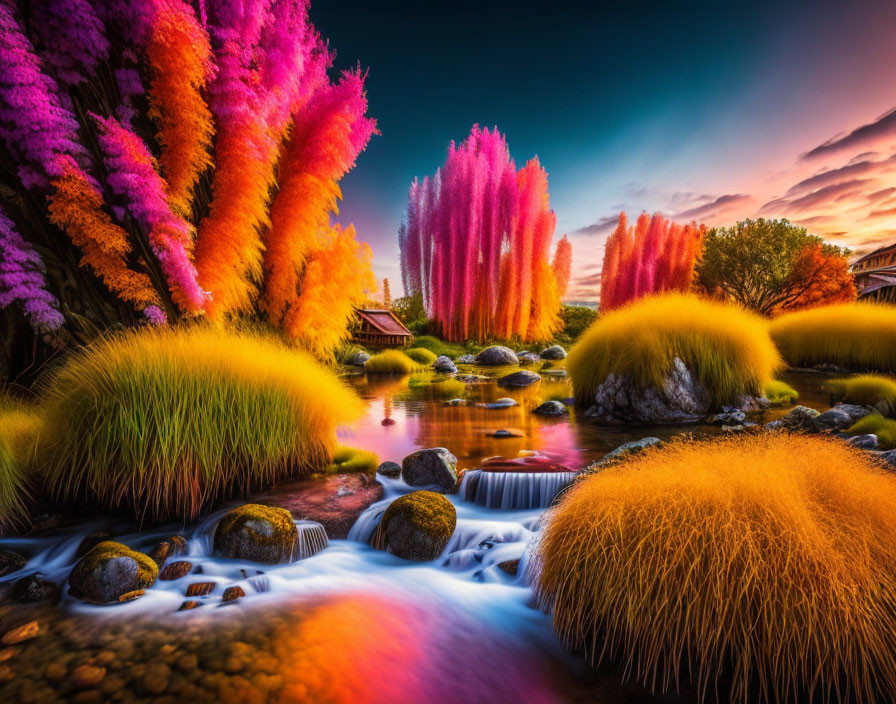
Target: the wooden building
(875, 275)
(381, 328)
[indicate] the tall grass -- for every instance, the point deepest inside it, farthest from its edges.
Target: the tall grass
(866, 389)
(727, 348)
(856, 336)
(391, 362)
(765, 560)
(421, 355)
(19, 428)
(780, 392)
(876, 424)
(162, 422)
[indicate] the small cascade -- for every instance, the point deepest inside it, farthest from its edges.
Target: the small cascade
(363, 529)
(312, 539)
(513, 490)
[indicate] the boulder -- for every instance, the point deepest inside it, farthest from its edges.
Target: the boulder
(554, 352)
(258, 533)
(466, 359)
(91, 540)
(839, 417)
(496, 356)
(109, 570)
(435, 467)
(681, 399)
(389, 469)
(416, 526)
(863, 442)
(358, 359)
(10, 562)
(172, 546)
(551, 408)
(443, 365)
(34, 587)
(519, 379)
(799, 418)
(528, 358)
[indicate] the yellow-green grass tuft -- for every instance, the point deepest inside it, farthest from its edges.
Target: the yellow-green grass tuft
(19, 428)
(765, 560)
(857, 336)
(164, 422)
(876, 424)
(421, 355)
(727, 348)
(350, 460)
(391, 362)
(867, 390)
(780, 392)
(438, 347)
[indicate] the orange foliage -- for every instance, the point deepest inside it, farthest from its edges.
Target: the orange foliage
(819, 278)
(562, 265)
(180, 56)
(76, 207)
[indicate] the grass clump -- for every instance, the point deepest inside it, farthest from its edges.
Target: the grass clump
(780, 392)
(421, 355)
(727, 348)
(391, 362)
(876, 424)
(867, 390)
(351, 460)
(764, 560)
(19, 428)
(857, 336)
(438, 347)
(163, 422)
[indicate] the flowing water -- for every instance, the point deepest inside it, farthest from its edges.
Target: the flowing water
(350, 623)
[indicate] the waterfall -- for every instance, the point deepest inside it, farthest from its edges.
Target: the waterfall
(312, 539)
(362, 530)
(513, 490)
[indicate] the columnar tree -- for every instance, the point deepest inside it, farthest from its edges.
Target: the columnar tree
(475, 244)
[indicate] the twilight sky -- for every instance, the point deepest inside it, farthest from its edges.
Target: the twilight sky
(713, 111)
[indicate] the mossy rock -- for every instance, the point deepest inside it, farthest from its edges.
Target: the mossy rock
(109, 570)
(416, 526)
(257, 533)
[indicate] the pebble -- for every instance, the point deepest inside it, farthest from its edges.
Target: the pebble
(87, 676)
(130, 596)
(189, 605)
(55, 672)
(200, 588)
(8, 653)
(21, 634)
(156, 679)
(232, 594)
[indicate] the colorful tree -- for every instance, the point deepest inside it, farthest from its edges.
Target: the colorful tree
(562, 265)
(820, 276)
(187, 168)
(653, 256)
(475, 243)
(387, 295)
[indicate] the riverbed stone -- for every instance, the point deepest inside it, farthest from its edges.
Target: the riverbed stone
(257, 533)
(389, 469)
(20, 634)
(528, 358)
(433, 467)
(466, 359)
(416, 526)
(551, 408)
(172, 546)
(863, 442)
(91, 540)
(496, 356)
(34, 588)
(110, 570)
(518, 380)
(798, 418)
(501, 403)
(175, 570)
(443, 365)
(839, 417)
(681, 399)
(729, 418)
(554, 352)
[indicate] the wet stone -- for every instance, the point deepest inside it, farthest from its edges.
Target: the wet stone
(156, 679)
(91, 540)
(189, 605)
(389, 469)
(87, 676)
(21, 634)
(200, 588)
(232, 594)
(519, 379)
(130, 596)
(34, 588)
(170, 547)
(510, 567)
(551, 408)
(175, 570)
(11, 562)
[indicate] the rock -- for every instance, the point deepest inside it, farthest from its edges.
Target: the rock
(232, 594)
(258, 533)
(109, 570)
(798, 418)
(156, 679)
(434, 467)
(500, 403)
(456, 402)
(170, 547)
(33, 588)
(335, 502)
(358, 359)
(175, 570)
(632, 448)
(200, 589)
(443, 365)
(189, 605)
(558, 373)
(528, 358)
(416, 526)
(511, 567)
(22, 633)
(131, 596)
(9, 653)
(729, 418)
(11, 562)
(888, 457)
(466, 359)
(519, 379)
(496, 356)
(91, 540)
(863, 442)
(87, 676)
(55, 672)
(389, 469)
(505, 433)
(680, 400)
(551, 408)
(834, 419)
(553, 352)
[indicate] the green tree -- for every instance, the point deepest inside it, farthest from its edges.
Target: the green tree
(761, 264)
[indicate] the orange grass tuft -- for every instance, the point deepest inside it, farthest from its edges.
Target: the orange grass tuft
(766, 559)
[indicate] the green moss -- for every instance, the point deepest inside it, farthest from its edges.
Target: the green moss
(416, 526)
(421, 355)
(391, 362)
(876, 424)
(779, 392)
(348, 460)
(439, 347)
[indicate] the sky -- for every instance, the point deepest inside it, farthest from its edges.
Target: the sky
(709, 111)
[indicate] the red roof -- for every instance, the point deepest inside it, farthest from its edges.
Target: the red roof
(384, 320)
